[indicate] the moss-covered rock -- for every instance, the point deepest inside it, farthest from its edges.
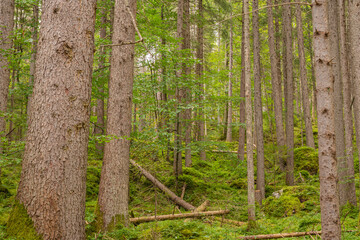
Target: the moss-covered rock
(283, 206)
(20, 225)
(306, 158)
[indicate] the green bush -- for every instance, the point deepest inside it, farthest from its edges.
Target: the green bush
(306, 158)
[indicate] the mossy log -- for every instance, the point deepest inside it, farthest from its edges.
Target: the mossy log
(177, 216)
(281, 235)
(162, 187)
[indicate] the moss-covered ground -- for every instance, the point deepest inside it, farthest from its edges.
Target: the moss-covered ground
(221, 180)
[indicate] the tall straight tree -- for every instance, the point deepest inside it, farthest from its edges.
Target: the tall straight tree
(333, 19)
(260, 176)
(348, 122)
(275, 83)
(113, 197)
(6, 27)
(303, 79)
(249, 136)
(52, 188)
(289, 94)
(199, 73)
(329, 200)
(230, 87)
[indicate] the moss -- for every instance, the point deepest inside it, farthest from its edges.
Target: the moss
(4, 192)
(20, 225)
(118, 221)
(306, 158)
(284, 206)
(99, 219)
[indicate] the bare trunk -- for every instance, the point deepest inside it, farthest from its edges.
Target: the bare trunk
(289, 97)
(249, 137)
(303, 80)
(348, 122)
(241, 147)
(54, 163)
(6, 27)
(114, 181)
(329, 200)
(339, 121)
(229, 112)
(276, 84)
(199, 73)
(260, 180)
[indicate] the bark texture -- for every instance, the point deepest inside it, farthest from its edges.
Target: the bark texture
(230, 111)
(303, 80)
(260, 176)
(329, 200)
(114, 181)
(249, 137)
(54, 164)
(6, 27)
(289, 96)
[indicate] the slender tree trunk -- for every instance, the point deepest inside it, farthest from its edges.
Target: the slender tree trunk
(260, 180)
(199, 73)
(289, 97)
(348, 123)
(186, 74)
(329, 200)
(230, 112)
(6, 27)
(339, 121)
(100, 125)
(303, 80)
(54, 163)
(241, 147)
(249, 137)
(276, 84)
(114, 181)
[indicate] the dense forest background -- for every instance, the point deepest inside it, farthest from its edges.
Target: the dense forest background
(245, 108)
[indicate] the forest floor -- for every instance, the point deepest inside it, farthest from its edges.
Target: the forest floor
(221, 180)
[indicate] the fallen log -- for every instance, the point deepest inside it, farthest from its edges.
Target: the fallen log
(230, 221)
(162, 187)
(286, 235)
(281, 235)
(200, 208)
(177, 216)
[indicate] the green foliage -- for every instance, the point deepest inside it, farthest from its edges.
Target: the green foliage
(284, 206)
(306, 158)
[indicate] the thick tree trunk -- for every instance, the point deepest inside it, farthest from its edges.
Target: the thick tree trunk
(329, 200)
(339, 121)
(6, 27)
(276, 85)
(100, 125)
(199, 73)
(249, 137)
(54, 163)
(114, 181)
(289, 97)
(303, 80)
(241, 147)
(260, 176)
(348, 122)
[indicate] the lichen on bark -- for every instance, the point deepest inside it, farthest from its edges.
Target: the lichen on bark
(20, 225)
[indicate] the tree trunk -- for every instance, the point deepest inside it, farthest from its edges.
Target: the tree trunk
(260, 180)
(100, 125)
(329, 200)
(276, 85)
(199, 73)
(289, 97)
(241, 147)
(54, 163)
(230, 112)
(6, 27)
(114, 181)
(339, 121)
(249, 137)
(303, 80)
(348, 122)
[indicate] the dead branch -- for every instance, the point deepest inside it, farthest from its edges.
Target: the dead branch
(177, 216)
(162, 187)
